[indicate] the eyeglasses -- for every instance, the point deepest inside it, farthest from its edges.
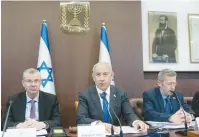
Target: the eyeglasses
(171, 83)
(36, 81)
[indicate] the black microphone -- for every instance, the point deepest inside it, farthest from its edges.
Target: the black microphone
(6, 120)
(121, 132)
(185, 122)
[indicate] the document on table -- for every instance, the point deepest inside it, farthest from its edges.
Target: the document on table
(169, 125)
(42, 132)
(126, 130)
(21, 132)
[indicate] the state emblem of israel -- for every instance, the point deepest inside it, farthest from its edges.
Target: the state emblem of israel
(75, 17)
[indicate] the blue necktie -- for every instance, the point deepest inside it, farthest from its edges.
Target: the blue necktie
(105, 107)
(168, 105)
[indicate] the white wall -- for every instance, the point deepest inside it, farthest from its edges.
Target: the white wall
(182, 8)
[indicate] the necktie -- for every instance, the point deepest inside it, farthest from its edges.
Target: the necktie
(168, 105)
(105, 107)
(32, 109)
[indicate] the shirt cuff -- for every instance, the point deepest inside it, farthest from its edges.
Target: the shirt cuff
(47, 125)
(95, 123)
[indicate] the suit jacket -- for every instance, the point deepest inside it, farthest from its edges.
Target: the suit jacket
(153, 105)
(195, 103)
(90, 109)
(48, 109)
(165, 44)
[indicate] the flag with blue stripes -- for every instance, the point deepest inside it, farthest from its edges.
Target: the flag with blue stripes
(104, 54)
(44, 64)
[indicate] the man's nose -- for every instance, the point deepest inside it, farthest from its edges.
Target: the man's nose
(101, 77)
(33, 83)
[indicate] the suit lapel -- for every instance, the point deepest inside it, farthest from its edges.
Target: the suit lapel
(41, 106)
(112, 102)
(97, 103)
(160, 100)
(22, 106)
(174, 103)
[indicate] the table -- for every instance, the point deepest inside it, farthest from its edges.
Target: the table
(171, 134)
(72, 133)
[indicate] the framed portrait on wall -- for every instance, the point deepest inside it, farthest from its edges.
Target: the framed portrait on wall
(162, 33)
(169, 36)
(193, 30)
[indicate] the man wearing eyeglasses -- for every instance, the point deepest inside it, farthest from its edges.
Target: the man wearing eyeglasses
(161, 103)
(33, 108)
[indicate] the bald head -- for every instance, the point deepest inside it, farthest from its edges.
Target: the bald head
(102, 75)
(102, 64)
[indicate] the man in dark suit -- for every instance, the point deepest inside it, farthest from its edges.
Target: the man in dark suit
(33, 108)
(92, 109)
(195, 103)
(161, 104)
(164, 43)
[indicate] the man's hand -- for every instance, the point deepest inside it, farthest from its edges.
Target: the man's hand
(108, 127)
(22, 125)
(32, 123)
(178, 117)
(189, 118)
(138, 124)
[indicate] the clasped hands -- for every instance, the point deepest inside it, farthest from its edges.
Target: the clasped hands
(138, 124)
(179, 117)
(32, 123)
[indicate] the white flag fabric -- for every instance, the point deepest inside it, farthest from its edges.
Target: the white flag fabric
(44, 64)
(104, 54)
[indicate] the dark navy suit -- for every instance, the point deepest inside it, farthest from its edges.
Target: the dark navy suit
(153, 105)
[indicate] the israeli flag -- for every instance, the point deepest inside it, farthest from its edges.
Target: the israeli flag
(104, 54)
(44, 64)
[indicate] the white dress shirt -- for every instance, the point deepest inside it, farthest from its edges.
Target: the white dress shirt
(28, 106)
(99, 91)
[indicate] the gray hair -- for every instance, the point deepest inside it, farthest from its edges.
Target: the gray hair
(99, 63)
(166, 72)
(29, 71)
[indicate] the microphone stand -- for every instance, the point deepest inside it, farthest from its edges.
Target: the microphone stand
(6, 120)
(112, 129)
(185, 123)
(121, 132)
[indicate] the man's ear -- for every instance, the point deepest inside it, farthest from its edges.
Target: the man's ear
(159, 83)
(112, 74)
(93, 76)
(22, 83)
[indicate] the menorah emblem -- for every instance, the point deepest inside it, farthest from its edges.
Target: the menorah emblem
(75, 17)
(75, 9)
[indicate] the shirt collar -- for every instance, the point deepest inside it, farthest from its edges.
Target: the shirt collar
(100, 91)
(29, 99)
(163, 94)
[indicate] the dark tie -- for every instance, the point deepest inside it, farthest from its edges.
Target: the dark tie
(105, 107)
(32, 109)
(168, 105)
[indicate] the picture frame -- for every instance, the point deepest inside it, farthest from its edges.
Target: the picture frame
(183, 63)
(193, 31)
(162, 32)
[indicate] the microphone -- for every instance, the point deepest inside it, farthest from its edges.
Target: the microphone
(8, 112)
(112, 130)
(185, 123)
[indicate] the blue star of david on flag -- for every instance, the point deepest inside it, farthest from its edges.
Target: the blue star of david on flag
(44, 65)
(49, 78)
